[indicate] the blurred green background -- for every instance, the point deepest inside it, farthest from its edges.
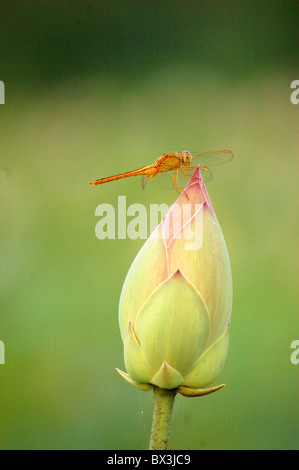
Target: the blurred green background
(95, 88)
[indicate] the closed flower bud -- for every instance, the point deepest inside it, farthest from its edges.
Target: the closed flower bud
(176, 301)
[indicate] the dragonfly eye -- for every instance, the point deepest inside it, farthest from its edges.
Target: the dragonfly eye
(187, 158)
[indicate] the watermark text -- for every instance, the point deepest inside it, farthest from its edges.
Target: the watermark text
(2, 92)
(295, 95)
(2, 353)
(295, 354)
(183, 221)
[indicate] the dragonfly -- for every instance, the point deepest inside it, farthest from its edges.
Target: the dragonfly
(178, 165)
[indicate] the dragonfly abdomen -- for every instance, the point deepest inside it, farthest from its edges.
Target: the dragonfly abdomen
(147, 170)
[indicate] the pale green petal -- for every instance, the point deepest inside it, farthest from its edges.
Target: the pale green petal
(148, 270)
(174, 325)
(167, 377)
(136, 364)
(198, 392)
(207, 368)
(207, 268)
(143, 387)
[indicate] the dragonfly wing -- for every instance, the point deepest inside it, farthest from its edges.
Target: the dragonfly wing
(206, 174)
(212, 159)
(163, 180)
(144, 180)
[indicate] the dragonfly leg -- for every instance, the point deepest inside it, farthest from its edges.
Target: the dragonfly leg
(188, 168)
(186, 176)
(210, 177)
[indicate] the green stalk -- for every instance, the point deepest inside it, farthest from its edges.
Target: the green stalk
(163, 406)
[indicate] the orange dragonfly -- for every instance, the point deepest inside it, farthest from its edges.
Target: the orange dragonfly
(179, 164)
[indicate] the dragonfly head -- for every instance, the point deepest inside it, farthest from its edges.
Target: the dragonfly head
(186, 157)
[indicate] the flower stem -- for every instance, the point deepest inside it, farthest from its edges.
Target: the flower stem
(163, 406)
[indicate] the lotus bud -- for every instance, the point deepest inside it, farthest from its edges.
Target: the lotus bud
(176, 301)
